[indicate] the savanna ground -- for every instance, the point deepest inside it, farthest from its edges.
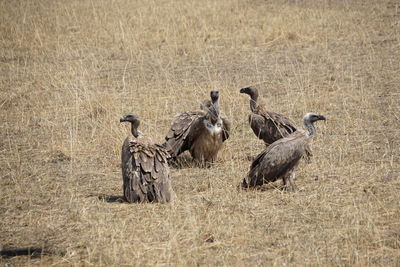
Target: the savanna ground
(71, 69)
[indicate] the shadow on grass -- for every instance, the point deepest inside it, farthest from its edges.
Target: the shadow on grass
(185, 161)
(262, 188)
(33, 252)
(112, 199)
(109, 198)
(182, 162)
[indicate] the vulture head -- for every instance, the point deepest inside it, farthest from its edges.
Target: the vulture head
(214, 96)
(312, 117)
(252, 91)
(214, 108)
(309, 120)
(134, 120)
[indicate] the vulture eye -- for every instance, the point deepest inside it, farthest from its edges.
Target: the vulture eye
(219, 124)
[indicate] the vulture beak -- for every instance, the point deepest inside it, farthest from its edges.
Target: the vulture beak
(322, 118)
(129, 117)
(126, 118)
(242, 91)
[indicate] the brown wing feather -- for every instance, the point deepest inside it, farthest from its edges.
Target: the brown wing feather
(145, 172)
(158, 165)
(226, 128)
(194, 131)
(176, 142)
(259, 127)
(134, 192)
(270, 126)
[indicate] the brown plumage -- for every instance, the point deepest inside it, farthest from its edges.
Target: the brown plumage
(279, 159)
(177, 137)
(145, 169)
(201, 132)
(266, 125)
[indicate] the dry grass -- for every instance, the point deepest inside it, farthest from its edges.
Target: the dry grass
(70, 69)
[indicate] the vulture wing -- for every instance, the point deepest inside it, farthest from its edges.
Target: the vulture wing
(146, 174)
(176, 139)
(260, 127)
(277, 159)
(270, 126)
(226, 128)
(194, 131)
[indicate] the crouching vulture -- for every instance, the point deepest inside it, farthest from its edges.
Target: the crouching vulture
(145, 170)
(201, 132)
(280, 158)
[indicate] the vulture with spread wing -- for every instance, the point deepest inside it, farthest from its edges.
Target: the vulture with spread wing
(280, 158)
(145, 169)
(201, 132)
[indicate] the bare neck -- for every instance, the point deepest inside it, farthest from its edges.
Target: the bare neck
(215, 108)
(134, 130)
(311, 129)
(253, 101)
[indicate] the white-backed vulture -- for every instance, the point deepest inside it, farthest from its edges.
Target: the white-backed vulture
(145, 170)
(200, 132)
(279, 159)
(266, 125)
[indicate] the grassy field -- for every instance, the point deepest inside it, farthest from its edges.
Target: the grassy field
(70, 69)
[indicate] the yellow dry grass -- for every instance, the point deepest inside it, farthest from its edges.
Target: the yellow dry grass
(71, 69)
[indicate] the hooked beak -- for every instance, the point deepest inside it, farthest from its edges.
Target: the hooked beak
(322, 118)
(243, 90)
(125, 118)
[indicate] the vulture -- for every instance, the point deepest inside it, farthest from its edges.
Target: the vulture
(280, 158)
(201, 132)
(266, 125)
(145, 170)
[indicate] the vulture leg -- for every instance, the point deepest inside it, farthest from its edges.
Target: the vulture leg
(244, 184)
(204, 163)
(291, 181)
(288, 181)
